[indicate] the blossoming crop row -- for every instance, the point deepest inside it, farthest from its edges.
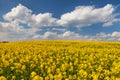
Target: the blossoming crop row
(60, 60)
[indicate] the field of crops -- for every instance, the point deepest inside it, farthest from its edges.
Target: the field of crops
(60, 60)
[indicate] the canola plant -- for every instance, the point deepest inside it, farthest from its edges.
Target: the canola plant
(60, 60)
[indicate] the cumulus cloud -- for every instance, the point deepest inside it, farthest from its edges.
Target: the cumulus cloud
(50, 35)
(45, 19)
(18, 13)
(12, 31)
(54, 35)
(115, 36)
(88, 15)
(22, 14)
(110, 22)
(59, 29)
(47, 35)
(69, 35)
(82, 16)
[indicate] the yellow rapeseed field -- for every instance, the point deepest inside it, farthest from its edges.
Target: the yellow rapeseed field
(60, 60)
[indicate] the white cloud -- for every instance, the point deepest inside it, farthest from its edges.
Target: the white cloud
(13, 31)
(47, 35)
(82, 16)
(110, 22)
(87, 15)
(22, 14)
(59, 29)
(70, 35)
(19, 13)
(50, 35)
(45, 19)
(115, 36)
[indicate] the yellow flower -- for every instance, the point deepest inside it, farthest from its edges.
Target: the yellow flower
(33, 74)
(18, 65)
(51, 76)
(74, 77)
(1, 71)
(46, 78)
(117, 78)
(95, 77)
(6, 63)
(3, 78)
(13, 77)
(23, 67)
(37, 78)
(83, 73)
(59, 60)
(32, 66)
(49, 70)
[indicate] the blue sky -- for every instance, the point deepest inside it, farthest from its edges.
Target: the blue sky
(60, 19)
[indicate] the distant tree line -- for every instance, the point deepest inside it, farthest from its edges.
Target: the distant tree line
(4, 42)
